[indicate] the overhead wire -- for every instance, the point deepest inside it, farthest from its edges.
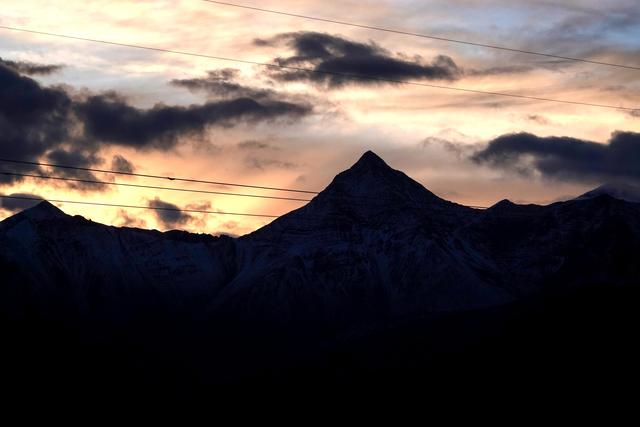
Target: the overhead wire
(324, 72)
(157, 208)
(122, 184)
(348, 75)
(164, 177)
(426, 36)
(107, 171)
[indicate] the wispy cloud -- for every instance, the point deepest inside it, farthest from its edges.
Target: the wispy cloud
(31, 68)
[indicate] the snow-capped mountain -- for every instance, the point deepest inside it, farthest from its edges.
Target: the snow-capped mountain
(373, 245)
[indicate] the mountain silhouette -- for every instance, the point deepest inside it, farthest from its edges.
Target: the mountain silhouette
(369, 192)
(373, 244)
(372, 251)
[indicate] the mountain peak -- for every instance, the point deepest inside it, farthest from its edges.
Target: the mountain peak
(370, 192)
(371, 189)
(374, 180)
(370, 158)
(44, 210)
(370, 162)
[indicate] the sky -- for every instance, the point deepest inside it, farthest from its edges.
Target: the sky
(101, 106)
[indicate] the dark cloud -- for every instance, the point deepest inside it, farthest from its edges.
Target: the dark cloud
(221, 83)
(39, 122)
(329, 54)
(74, 158)
(120, 164)
(566, 158)
(80, 159)
(36, 123)
(30, 68)
(111, 119)
(169, 214)
(17, 205)
(33, 119)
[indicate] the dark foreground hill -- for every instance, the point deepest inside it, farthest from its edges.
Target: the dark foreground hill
(377, 281)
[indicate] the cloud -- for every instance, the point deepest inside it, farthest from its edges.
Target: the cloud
(33, 119)
(602, 34)
(168, 214)
(459, 149)
(77, 158)
(30, 68)
(564, 158)
(255, 162)
(17, 205)
(230, 225)
(500, 70)
(38, 122)
(539, 119)
(123, 219)
(255, 145)
(109, 118)
(120, 164)
(327, 54)
(199, 206)
(220, 83)
(453, 142)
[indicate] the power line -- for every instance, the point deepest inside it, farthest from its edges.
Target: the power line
(173, 179)
(198, 181)
(156, 208)
(77, 202)
(426, 36)
(122, 184)
(186, 190)
(164, 188)
(324, 72)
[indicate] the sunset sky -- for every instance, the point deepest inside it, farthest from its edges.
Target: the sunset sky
(93, 105)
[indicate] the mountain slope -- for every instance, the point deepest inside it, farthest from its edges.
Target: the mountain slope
(95, 270)
(374, 194)
(373, 244)
(561, 246)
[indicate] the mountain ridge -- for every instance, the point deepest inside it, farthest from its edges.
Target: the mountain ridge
(348, 186)
(373, 243)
